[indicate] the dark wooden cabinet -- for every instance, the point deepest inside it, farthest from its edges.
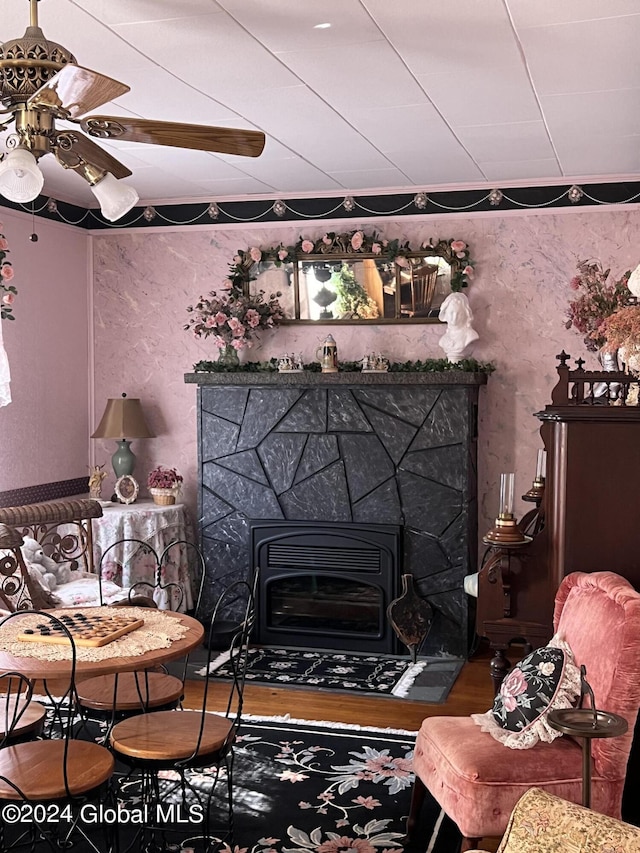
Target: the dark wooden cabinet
(590, 510)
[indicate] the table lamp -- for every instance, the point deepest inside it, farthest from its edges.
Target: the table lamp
(123, 420)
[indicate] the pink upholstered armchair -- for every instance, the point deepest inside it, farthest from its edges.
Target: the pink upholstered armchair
(478, 781)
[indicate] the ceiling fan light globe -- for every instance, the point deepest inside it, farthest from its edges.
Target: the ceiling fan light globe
(20, 177)
(115, 198)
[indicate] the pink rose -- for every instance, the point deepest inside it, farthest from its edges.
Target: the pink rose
(8, 298)
(220, 318)
(458, 245)
(376, 248)
(3, 244)
(236, 327)
(327, 240)
(6, 271)
(514, 685)
(307, 246)
(209, 322)
(240, 343)
(256, 254)
(252, 318)
(468, 271)
(219, 342)
(357, 241)
(282, 254)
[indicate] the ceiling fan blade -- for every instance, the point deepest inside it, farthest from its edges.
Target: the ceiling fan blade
(72, 147)
(75, 90)
(221, 140)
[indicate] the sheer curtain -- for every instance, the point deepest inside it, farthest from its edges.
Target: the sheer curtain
(5, 375)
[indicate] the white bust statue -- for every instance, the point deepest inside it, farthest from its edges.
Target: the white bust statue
(456, 313)
(634, 282)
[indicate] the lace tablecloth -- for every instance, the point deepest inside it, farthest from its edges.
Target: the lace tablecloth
(128, 562)
(158, 632)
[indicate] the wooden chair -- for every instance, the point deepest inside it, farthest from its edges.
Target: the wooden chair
(186, 739)
(477, 781)
(58, 770)
(21, 718)
(416, 296)
(123, 694)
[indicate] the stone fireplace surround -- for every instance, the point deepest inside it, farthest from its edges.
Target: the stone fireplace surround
(389, 448)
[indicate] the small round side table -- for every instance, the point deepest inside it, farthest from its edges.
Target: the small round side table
(587, 723)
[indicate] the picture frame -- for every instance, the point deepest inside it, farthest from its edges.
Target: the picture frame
(127, 489)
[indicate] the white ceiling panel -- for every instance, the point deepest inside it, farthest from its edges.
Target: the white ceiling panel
(544, 13)
(391, 95)
(495, 94)
(587, 56)
(518, 170)
(334, 73)
(281, 25)
(493, 143)
(141, 11)
(358, 180)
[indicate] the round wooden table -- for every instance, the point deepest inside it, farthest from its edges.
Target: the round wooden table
(36, 668)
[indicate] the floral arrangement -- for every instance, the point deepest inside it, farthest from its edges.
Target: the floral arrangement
(7, 291)
(164, 478)
(622, 332)
(233, 317)
(455, 252)
(599, 298)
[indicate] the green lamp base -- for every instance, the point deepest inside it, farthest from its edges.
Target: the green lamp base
(123, 460)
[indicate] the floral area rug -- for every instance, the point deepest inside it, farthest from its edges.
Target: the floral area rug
(299, 786)
(302, 786)
(429, 680)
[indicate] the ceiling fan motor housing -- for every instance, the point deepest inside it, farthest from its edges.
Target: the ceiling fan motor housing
(28, 63)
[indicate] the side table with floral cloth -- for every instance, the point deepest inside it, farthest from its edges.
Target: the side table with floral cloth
(129, 562)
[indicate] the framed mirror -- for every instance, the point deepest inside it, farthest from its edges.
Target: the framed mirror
(356, 278)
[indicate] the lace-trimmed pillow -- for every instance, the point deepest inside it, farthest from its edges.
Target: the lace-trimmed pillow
(545, 680)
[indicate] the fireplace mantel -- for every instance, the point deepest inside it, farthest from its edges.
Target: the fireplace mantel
(310, 378)
(371, 448)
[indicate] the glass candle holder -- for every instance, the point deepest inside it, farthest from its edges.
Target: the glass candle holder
(541, 465)
(507, 492)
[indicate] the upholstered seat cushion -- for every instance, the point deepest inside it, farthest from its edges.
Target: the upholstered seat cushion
(465, 768)
(85, 590)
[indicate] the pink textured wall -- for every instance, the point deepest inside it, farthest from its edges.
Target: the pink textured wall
(144, 281)
(44, 430)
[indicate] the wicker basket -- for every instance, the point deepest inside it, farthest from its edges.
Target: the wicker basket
(163, 497)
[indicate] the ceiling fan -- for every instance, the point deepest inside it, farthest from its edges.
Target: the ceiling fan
(41, 82)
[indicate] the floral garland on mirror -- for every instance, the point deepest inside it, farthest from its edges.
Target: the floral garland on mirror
(454, 252)
(7, 291)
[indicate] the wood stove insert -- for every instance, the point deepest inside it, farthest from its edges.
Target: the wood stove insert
(326, 585)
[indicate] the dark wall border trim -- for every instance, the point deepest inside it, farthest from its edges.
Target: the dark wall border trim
(463, 202)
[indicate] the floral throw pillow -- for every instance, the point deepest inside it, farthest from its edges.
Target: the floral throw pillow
(545, 680)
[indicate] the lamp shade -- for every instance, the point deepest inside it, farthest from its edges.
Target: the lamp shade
(20, 177)
(115, 198)
(123, 418)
